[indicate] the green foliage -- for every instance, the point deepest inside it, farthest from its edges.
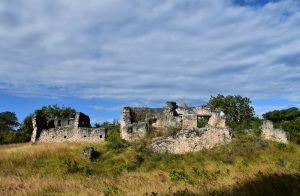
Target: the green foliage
(237, 109)
(111, 190)
(112, 130)
(117, 145)
(202, 122)
(179, 175)
(281, 146)
(87, 170)
(280, 162)
(8, 121)
(54, 111)
(282, 115)
(71, 166)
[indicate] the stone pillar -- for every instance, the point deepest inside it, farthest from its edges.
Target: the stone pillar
(35, 129)
(125, 123)
(38, 123)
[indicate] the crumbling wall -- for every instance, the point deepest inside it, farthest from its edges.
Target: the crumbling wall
(38, 123)
(76, 129)
(70, 134)
(270, 133)
(135, 121)
(192, 140)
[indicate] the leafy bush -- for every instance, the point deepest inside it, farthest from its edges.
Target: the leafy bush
(179, 175)
(112, 130)
(202, 122)
(281, 146)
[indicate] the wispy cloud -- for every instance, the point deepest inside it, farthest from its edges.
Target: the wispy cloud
(149, 50)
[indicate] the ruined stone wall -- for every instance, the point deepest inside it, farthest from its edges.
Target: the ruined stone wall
(270, 133)
(59, 130)
(135, 121)
(192, 140)
(70, 134)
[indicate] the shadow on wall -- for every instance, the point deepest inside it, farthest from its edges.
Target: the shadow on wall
(267, 185)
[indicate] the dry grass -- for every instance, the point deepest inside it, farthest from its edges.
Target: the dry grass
(235, 168)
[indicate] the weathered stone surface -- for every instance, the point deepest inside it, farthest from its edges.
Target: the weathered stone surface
(192, 140)
(60, 130)
(135, 121)
(89, 153)
(270, 133)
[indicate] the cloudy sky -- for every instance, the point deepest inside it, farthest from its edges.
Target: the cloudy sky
(97, 56)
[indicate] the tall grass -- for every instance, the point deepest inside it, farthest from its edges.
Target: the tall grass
(132, 169)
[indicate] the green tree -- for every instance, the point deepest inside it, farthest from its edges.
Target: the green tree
(54, 111)
(282, 115)
(8, 121)
(239, 112)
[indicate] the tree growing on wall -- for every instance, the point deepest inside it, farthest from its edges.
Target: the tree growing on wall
(239, 112)
(50, 111)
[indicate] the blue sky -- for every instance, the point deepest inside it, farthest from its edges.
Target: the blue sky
(98, 56)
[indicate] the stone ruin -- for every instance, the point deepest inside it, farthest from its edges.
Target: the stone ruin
(76, 129)
(137, 121)
(270, 133)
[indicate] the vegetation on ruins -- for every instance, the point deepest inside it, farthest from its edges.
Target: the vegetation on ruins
(9, 122)
(239, 113)
(112, 130)
(249, 165)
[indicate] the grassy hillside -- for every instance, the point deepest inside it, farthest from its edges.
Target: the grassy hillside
(248, 166)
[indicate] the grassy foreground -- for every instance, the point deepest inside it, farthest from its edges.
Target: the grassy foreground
(247, 166)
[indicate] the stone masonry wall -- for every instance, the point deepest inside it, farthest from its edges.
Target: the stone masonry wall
(135, 122)
(68, 134)
(60, 130)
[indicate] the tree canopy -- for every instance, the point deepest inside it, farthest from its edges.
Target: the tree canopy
(54, 111)
(282, 115)
(8, 121)
(237, 108)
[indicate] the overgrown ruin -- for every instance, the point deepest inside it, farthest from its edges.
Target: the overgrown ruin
(197, 127)
(71, 129)
(136, 121)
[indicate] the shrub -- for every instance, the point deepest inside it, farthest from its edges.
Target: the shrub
(117, 145)
(87, 170)
(71, 166)
(281, 146)
(280, 162)
(179, 175)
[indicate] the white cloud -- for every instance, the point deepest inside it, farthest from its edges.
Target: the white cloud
(149, 50)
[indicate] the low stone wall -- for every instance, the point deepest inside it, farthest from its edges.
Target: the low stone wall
(80, 134)
(192, 140)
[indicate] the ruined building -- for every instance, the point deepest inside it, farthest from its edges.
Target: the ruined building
(136, 121)
(194, 128)
(72, 129)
